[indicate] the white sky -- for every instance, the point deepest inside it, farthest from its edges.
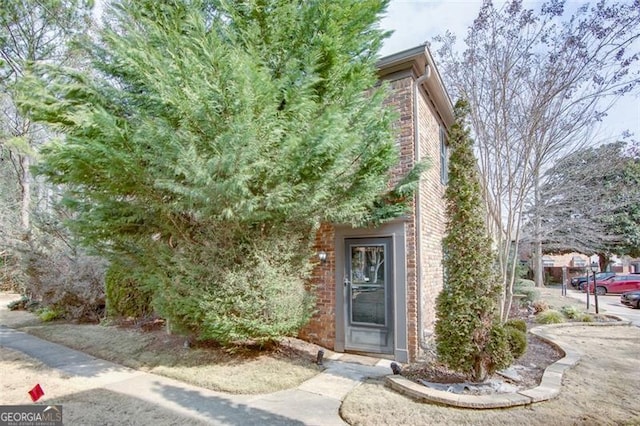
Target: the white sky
(415, 21)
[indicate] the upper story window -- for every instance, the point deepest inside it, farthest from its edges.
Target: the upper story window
(444, 157)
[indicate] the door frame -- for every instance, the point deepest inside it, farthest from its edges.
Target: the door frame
(363, 330)
(395, 230)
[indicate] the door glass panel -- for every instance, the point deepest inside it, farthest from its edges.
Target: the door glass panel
(367, 290)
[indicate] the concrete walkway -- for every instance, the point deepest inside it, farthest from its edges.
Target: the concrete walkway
(315, 402)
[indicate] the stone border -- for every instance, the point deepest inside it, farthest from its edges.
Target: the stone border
(549, 387)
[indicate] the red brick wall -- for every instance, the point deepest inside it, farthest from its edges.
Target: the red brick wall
(322, 327)
(432, 215)
(402, 100)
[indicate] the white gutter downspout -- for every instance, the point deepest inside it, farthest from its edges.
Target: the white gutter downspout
(424, 77)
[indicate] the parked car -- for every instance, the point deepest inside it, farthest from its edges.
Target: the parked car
(616, 284)
(631, 298)
(580, 282)
(575, 281)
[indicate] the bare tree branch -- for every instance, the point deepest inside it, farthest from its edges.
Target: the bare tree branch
(537, 84)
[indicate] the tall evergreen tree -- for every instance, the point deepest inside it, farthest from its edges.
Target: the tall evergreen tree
(469, 337)
(209, 142)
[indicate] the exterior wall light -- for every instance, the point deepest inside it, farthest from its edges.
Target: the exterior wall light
(322, 256)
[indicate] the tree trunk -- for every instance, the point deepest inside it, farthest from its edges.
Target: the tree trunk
(25, 187)
(503, 301)
(538, 267)
(480, 372)
(603, 260)
(506, 303)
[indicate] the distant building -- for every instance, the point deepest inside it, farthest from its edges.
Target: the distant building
(577, 264)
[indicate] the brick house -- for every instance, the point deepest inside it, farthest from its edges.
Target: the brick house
(560, 266)
(376, 289)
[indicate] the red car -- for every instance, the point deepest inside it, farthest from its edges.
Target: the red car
(617, 284)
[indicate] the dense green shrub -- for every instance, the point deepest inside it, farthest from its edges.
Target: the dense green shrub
(50, 313)
(517, 341)
(125, 295)
(261, 298)
(524, 283)
(531, 295)
(571, 311)
(550, 316)
(517, 323)
(499, 354)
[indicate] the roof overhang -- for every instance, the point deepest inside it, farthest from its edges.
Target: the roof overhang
(417, 59)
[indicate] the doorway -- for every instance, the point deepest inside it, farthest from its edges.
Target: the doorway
(368, 285)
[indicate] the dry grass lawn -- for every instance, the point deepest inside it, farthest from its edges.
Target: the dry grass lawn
(553, 296)
(243, 372)
(82, 404)
(601, 390)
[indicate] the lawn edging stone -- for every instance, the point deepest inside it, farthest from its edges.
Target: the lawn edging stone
(548, 388)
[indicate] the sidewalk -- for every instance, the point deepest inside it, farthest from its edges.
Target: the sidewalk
(315, 402)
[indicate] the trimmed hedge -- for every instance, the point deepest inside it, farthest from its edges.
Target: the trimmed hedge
(517, 340)
(517, 323)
